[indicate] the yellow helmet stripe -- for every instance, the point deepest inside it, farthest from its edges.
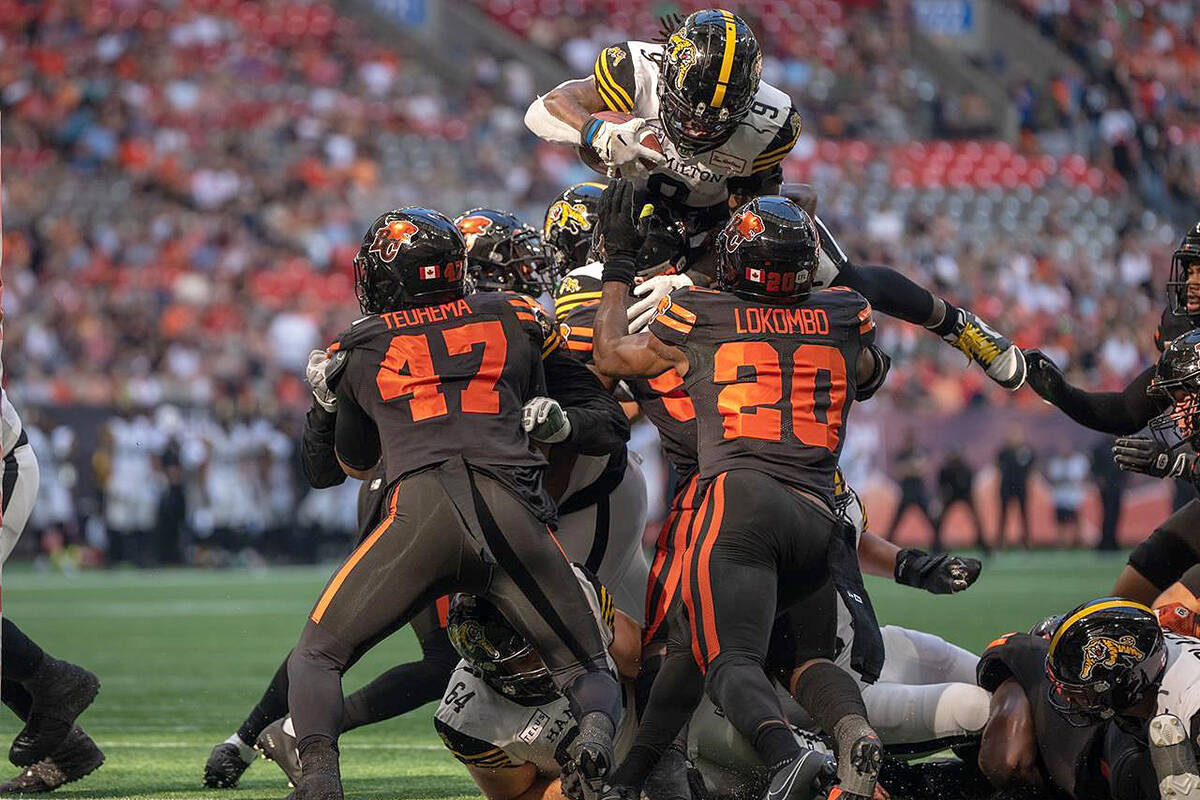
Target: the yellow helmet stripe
(718, 98)
(1090, 610)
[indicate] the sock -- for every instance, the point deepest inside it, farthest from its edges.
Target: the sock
(22, 657)
(17, 698)
(829, 694)
(775, 744)
(318, 753)
(271, 706)
(245, 751)
(944, 318)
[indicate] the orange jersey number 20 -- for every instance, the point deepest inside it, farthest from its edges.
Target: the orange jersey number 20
(754, 407)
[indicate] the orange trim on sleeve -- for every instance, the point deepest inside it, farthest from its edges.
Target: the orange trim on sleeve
(674, 324)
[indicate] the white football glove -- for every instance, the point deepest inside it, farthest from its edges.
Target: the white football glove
(652, 291)
(545, 421)
(619, 146)
(318, 362)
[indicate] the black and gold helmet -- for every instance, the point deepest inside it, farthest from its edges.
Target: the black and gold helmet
(710, 72)
(409, 256)
(567, 230)
(1105, 656)
(494, 649)
(1187, 255)
(503, 253)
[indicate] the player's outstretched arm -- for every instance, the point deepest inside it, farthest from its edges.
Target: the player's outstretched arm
(570, 104)
(615, 351)
(1119, 413)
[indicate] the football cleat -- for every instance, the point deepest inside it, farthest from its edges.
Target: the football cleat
(76, 757)
(1173, 758)
(802, 778)
(277, 743)
(1002, 360)
(592, 750)
(224, 767)
(669, 778)
(865, 761)
(61, 691)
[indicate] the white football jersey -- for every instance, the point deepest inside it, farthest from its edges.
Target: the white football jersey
(10, 424)
(627, 76)
(482, 727)
(1179, 692)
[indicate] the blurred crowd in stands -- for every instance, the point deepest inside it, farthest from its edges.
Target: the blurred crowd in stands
(186, 182)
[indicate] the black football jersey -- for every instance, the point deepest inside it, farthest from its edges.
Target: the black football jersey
(450, 380)
(1171, 326)
(1070, 755)
(771, 385)
(663, 400)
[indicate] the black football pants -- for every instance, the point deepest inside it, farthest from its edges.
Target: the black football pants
(484, 541)
(765, 550)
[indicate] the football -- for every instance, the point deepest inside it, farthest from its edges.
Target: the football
(648, 139)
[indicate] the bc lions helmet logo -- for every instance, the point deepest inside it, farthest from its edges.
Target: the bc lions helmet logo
(681, 51)
(746, 227)
(473, 227)
(390, 238)
(567, 216)
(1101, 651)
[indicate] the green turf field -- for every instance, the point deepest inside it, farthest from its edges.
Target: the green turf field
(184, 654)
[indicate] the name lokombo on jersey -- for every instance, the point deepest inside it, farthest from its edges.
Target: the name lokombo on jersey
(771, 385)
(627, 76)
(450, 380)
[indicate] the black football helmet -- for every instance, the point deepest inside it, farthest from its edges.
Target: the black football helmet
(710, 72)
(504, 253)
(768, 251)
(1045, 628)
(1176, 384)
(497, 652)
(1105, 656)
(1186, 254)
(409, 257)
(567, 229)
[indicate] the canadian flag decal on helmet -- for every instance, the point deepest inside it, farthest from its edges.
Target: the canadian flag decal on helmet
(746, 227)
(390, 238)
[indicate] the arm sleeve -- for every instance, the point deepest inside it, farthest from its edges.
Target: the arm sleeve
(1118, 413)
(317, 457)
(356, 438)
(598, 424)
(778, 149)
(673, 321)
(866, 324)
(615, 80)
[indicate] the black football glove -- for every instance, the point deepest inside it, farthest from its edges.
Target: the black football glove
(941, 574)
(1143, 454)
(1044, 376)
(617, 232)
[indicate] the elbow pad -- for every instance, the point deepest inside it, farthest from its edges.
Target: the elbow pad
(883, 363)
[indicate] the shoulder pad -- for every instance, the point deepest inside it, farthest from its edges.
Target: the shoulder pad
(615, 80)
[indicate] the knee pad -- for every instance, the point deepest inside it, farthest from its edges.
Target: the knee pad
(908, 715)
(962, 709)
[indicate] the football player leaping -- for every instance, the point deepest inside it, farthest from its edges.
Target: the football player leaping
(724, 135)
